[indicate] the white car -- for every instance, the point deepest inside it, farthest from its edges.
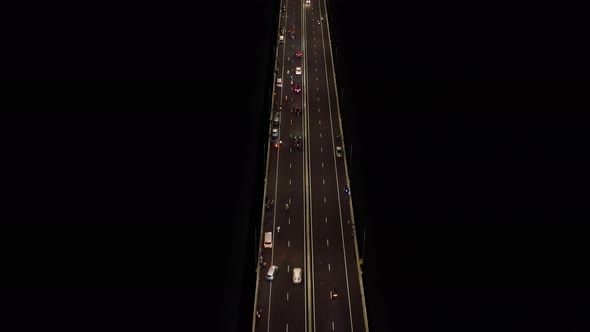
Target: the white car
(307, 1)
(279, 82)
(297, 275)
(268, 240)
(275, 134)
(272, 273)
(297, 70)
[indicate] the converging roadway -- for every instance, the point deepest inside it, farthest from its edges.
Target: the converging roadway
(308, 221)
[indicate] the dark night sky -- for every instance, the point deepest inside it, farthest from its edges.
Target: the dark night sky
(131, 203)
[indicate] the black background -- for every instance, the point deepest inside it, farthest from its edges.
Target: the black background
(133, 192)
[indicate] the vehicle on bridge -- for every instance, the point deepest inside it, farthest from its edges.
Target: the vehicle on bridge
(298, 142)
(272, 273)
(268, 240)
(297, 275)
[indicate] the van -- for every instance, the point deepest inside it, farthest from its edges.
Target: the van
(268, 240)
(272, 272)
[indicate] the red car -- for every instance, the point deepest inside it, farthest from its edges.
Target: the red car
(297, 88)
(298, 54)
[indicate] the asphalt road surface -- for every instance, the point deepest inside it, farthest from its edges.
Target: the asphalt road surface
(307, 206)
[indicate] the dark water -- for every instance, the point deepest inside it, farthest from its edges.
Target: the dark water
(133, 205)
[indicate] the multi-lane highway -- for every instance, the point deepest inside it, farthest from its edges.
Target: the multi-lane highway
(307, 205)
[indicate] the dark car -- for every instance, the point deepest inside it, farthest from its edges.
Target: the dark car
(297, 88)
(298, 142)
(298, 110)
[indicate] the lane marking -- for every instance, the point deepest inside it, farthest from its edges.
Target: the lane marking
(329, 267)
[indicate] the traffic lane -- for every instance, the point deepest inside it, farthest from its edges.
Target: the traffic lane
(327, 233)
(312, 16)
(332, 176)
(288, 303)
(291, 252)
(333, 272)
(264, 287)
(333, 231)
(351, 253)
(329, 270)
(263, 298)
(351, 259)
(293, 30)
(290, 190)
(279, 176)
(291, 221)
(290, 98)
(288, 309)
(336, 130)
